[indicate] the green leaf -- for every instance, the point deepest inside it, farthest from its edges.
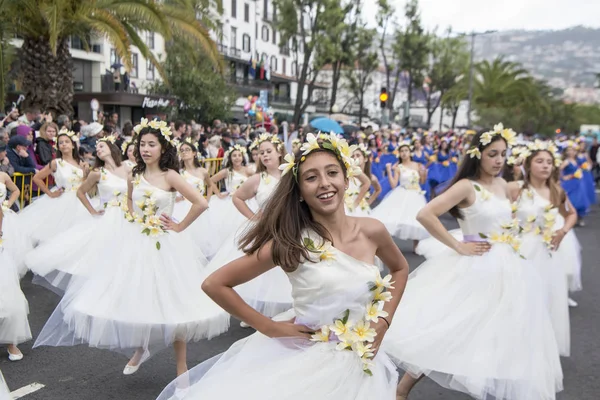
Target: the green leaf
(346, 316)
(157, 245)
(372, 287)
(309, 244)
(477, 188)
(328, 146)
(483, 236)
(146, 231)
(368, 372)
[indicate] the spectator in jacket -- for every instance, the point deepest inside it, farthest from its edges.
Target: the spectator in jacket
(26, 132)
(3, 137)
(5, 165)
(19, 157)
(44, 144)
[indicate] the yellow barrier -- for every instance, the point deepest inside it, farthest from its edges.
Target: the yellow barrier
(213, 165)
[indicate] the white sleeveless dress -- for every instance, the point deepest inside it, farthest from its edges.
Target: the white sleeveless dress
(147, 293)
(79, 250)
(263, 368)
(398, 210)
(14, 325)
(17, 243)
(363, 209)
(47, 217)
(270, 293)
(479, 324)
(538, 218)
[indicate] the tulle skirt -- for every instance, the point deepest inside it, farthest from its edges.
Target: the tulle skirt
(200, 230)
(398, 212)
(46, 217)
(269, 293)
(142, 292)
(553, 277)
(568, 255)
(4, 392)
(478, 325)
(75, 252)
(16, 242)
(438, 173)
(14, 325)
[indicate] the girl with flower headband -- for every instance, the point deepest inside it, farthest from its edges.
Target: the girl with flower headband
(145, 295)
(479, 296)
(585, 163)
(59, 209)
(18, 243)
(363, 157)
(86, 239)
(270, 294)
(128, 149)
(222, 212)
(14, 325)
(325, 347)
(572, 181)
(546, 217)
(357, 203)
(398, 210)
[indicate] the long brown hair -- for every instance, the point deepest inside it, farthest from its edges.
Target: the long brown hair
(288, 218)
(557, 194)
(115, 153)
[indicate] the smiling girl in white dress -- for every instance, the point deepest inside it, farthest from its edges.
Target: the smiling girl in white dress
(474, 318)
(59, 209)
(145, 297)
(342, 306)
(77, 250)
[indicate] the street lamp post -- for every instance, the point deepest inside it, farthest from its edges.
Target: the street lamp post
(471, 71)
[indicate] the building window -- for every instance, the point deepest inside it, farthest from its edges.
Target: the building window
(264, 58)
(246, 44)
(283, 69)
(246, 12)
(149, 70)
(274, 36)
(233, 38)
(294, 44)
(265, 33)
(234, 8)
(150, 40)
(134, 65)
(273, 64)
(113, 56)
(294, 68)
(266, 8)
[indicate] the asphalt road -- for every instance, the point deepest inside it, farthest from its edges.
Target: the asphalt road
(82, 373)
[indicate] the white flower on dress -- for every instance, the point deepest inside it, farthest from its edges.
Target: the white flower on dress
(374, 311)
(322, 335)
(363, 332)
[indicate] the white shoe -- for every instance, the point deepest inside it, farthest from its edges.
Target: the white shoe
(131, 369)
(572, 303)
(15, 357)
(244, 325)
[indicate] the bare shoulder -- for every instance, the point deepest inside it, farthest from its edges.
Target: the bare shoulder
(371, 227)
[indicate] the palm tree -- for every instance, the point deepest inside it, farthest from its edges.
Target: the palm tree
(46, 25)
(502, 84)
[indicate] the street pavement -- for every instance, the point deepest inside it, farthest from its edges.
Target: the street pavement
(82, 373)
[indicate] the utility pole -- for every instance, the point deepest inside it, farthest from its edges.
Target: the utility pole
(472, 72)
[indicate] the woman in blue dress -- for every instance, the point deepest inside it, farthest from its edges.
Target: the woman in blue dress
(442, 170)
(585, 163)
(420, 156)
(572, 181)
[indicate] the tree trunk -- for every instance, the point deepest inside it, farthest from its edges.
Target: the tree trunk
(47, 79)
(336, 74)
(454, 115)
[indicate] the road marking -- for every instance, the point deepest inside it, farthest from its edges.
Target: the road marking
(25, 390)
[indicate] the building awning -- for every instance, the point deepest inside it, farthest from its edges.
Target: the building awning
(127, 99)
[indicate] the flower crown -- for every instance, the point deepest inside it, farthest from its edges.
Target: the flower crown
(539, 145)
(111, 138)
(65, 132)
(236, 147)
(508, 135)
(189, 141)
(329, 142)
(296, 141)
(364, 150)
(124, 146)
(162, 126)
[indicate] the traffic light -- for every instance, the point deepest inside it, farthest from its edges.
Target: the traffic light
(383, 97)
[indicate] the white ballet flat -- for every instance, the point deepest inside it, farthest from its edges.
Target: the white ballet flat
(131, 369)
(572, 303)
(244, 325)
(15, 357)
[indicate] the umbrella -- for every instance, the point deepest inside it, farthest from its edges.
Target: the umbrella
(116, 65)
(327, 125)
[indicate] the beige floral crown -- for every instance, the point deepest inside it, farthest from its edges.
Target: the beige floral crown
(126, 144)
(329, 142)
(111, 139)
(236, 147)
(539, 145)
(162, 126)
(65, 132)
(189, 141)
(508, 135)
(364, 149)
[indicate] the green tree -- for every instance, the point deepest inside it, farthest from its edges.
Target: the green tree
(202, 91)
(390, 49)
(359, 76)
(46, 25)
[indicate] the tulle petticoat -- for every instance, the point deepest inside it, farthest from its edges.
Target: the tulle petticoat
(200, 230)
(478, 325)
(269, 293)
(47, 217)
(15, 240)
(4, 392)
(431, 247)
(137, 295)
(14, 325)
(263, 368)
(553, 277)
(398, 212)
(76, 251)
(569, 254)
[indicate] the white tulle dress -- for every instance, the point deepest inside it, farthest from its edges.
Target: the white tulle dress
(144, 291)
(538, 219)
(17, 243)
(222, 218)
(77, 250)
(363, 209)
(263, 368)
(270, 293)
(479, 324)
(398, 210)
(569, 252)
(14, 325)
(4, 392)
(46, 217)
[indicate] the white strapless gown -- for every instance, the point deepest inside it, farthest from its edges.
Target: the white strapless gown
(479, 325)
(146, 293)
(262, 368)
(76, 251)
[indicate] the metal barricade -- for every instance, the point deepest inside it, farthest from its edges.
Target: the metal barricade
(25, 184)
(213, 165)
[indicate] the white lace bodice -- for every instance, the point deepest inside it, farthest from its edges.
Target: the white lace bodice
(486, 215)
(266, 186)
(161, 201)
(197, 183)
(112, 189)
(234, 181)
(409, 178)
(67, 176)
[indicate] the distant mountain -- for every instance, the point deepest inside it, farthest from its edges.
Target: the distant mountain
(565, 59)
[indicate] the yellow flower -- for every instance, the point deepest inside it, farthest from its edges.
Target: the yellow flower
(288, 165)
(485, 195)
(143, 123)
(137, 180)
(531, 218)
(363, 350)
(310, 145)
(510, 136)
(344, 344)
(322, 335)
(514, 207)
(474, 152)
(486, 138)
(578, 174)
(363, 332)
(341, 330)
(455, 160)
(446, 163)
(586, 166)
(374, 311)
(537, 230)
(380, 295)
(140, 204)
(385, 282)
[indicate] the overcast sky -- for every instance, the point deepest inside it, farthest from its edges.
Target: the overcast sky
(482, 15)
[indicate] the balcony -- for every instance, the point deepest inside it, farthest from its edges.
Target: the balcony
(269, 17)
(231, 52)
(284, 51)
(108, 85)
(281, 99)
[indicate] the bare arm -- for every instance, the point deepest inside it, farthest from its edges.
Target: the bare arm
(246, 192)
(393, 178)
(41, 176)
(92, 179)
(365, 185)
(210, 186)
(376, 192)
(422, 174)
(199, 203)
(513, 190)
(129, 194)
(10, 185)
